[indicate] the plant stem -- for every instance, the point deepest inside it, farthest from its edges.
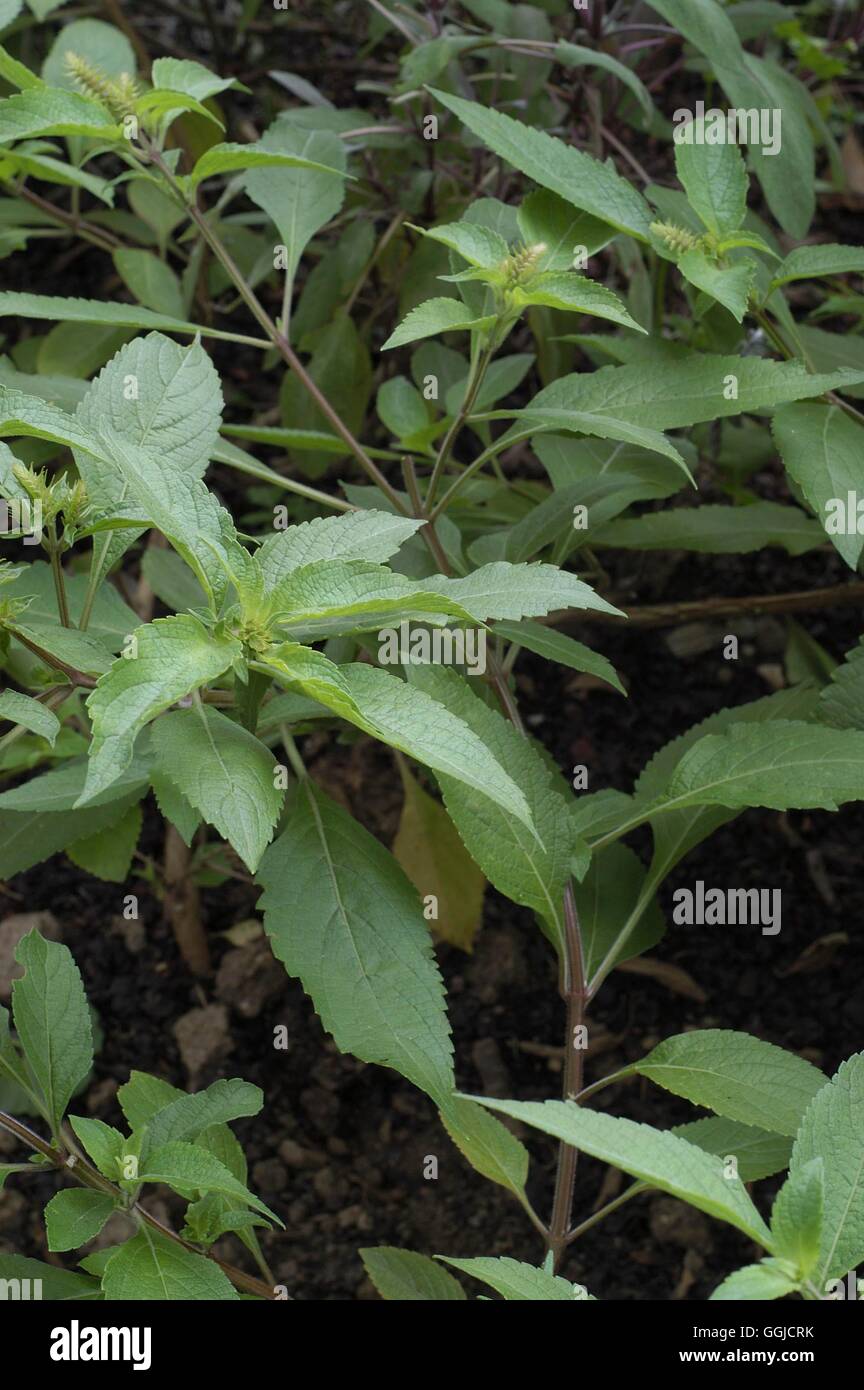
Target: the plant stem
(573, 992)
(53, 547)
(182, 903)
(475, 381)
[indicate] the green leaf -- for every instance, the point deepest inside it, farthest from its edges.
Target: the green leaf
(428, 847)
(172, 580)
(717, 530)
(821, 450)
(225, 773)
(189, 1115)
(30, 837)
(612, 889)
(104, 1144)
(730, 286)
(532, 871)
(188, 1167)
(104, 46)
(171, 658)
(487, 1144)
(341, 368)
(403, 716)
(302, 196)
(185, 75)
(816, 262)
(152, 282)
(575, 294)
(757, 1153)
(46, 111)
(841, 703)
(55, 1285)
(229, 159)
(76, 651)
(574, 55)
(714, 177)
(784, 765)
(22, 709)
(547, 220)
(558, 647)
(435, 316)
(831, 1130)
(74, 1217)
(108, 853)
(657, 1157)
(735, 1075)
(403, 1276)
(337, 596)
(796, 1217)
(370, 535)
(50, 170)
(344, 919)
(403, 411)
(701, 387)
(519, 1282)
(766, 1280)
(574, 176)
(478, 245)
(52, 1020)
(174, 806)
(502, 590)
(151, 1268)
(15, 304)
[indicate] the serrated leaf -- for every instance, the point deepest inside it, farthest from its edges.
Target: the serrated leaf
(188, 1167)
(229, 159)
(487, 1144)
(831, 1130)
(74, 1217)
(47, 111)
(403, 716)
(735, 1075)
(517, 1281)
(151, 1268)
(174, 806)
(344, 919)
(16, 304)
(841, 703)
(657, 1157)
(225, 773)
(30, 713)
(502, 590)
(52, 1020)
(575, 294)
(729, 285)
(479, 246)
(698, 389)
(72, 650)
(821, 450)
(548, 220)
(757, 1153)
(815, 262)
(173, 656)
(403, 1276)
(714, 177)
(573, 175)
(189, 1115)
(796, 1216)
(370, 535)
(103, 1143)
(333, 597)
(756, 1283)
(783, 765)
(435, 316)
(185, 75)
